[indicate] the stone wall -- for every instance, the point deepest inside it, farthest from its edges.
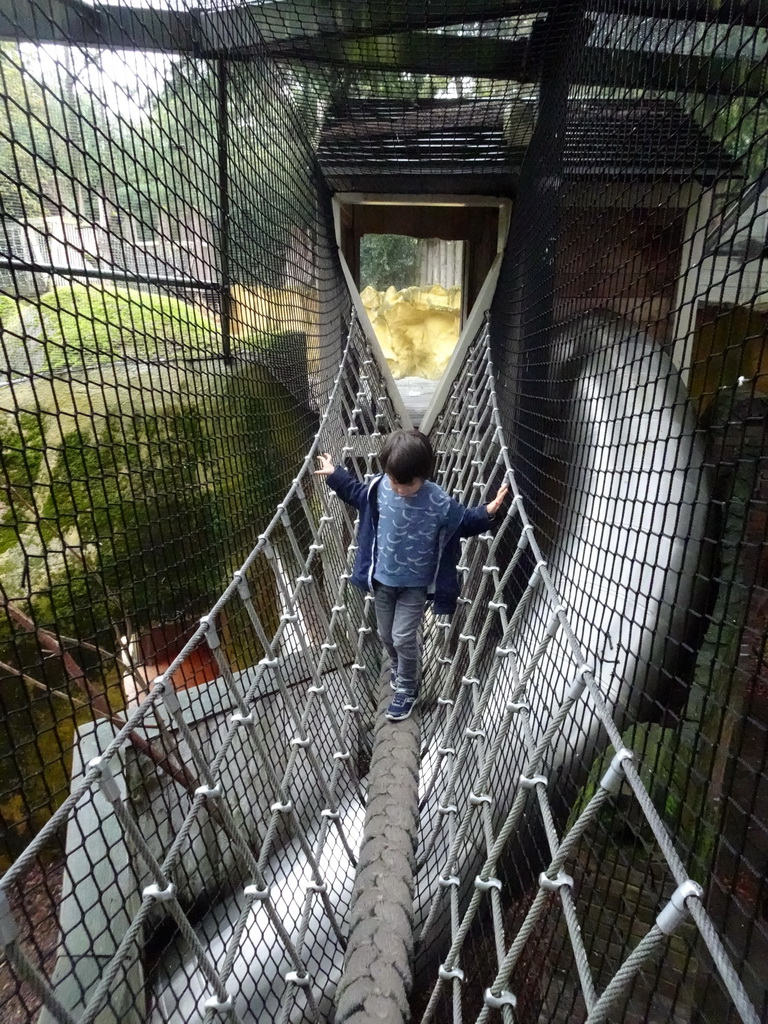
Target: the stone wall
(417, 328)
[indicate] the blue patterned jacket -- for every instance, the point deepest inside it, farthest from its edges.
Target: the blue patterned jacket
(462, 522)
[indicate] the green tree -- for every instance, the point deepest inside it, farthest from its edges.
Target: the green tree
(388, 260)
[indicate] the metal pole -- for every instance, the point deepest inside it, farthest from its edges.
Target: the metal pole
(222, 134)
(524, 309)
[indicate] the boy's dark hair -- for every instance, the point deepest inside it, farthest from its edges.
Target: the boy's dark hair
(407, 454)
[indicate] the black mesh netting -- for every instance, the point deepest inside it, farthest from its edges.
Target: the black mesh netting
(172, 316)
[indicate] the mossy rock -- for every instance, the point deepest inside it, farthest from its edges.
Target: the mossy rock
(130, 495)
(81, 325)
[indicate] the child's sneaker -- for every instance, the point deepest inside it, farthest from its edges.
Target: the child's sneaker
(401, 706)
(393, 682)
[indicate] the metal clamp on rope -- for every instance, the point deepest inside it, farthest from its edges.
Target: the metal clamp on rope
(469, 680)
(497, 606)
(169, 695)
(109, 787)
(297, 979)
(322, 688)
(498, 1002)
(555, 884)
(253, 892)
(285, 808)
(504, 652)
(491, 883)
(289, 617)
(518, 706)
(477, 799)
(268, 662)
(326, 646)
(364, 629)
(341, 755)
(443, 625)
(675, 911)
(359, 668)
(463, 600)
(576, 687)
(305, 579)
(9, 929)
(534, 578)
(448, 880)
(242, 585)
(487, 536)
(553, 625)
(447, 808)
(534, 780)
(444, 751)
(613, 778)
(211, 635)
(528, 528)
(442, 660)
(488, 570)
(297, 741)
(218, 1006)
(474, 734)
(455, 973)
(339, 608)
(329, 814)
(317, 547)
(241, 720)
(445, 700)
(353, 709)
(208, 792)
(162, 895)
(317, 886)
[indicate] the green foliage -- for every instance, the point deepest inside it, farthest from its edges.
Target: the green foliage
(22, 455)
(740, 123)
(48, 154)
(388, 260)
(83, 324)
(129, 502)
(9, 309)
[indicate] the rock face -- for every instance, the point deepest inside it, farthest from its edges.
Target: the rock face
(417, 328)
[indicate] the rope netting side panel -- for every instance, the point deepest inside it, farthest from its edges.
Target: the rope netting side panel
(211, 834)
(528, 705)
(628, 338)
(172, 317)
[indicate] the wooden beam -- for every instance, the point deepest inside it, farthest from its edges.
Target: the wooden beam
(451, 223)
(519, 60)
(242, 31)
(278, 20)
(110, 27)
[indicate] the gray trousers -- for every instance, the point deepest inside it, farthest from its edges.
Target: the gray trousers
(399, 614)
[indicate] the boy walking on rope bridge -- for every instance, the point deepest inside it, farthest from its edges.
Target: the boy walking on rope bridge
(408, 549)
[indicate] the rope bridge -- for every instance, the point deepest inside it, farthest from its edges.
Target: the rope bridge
(488, 746)
(205, 815)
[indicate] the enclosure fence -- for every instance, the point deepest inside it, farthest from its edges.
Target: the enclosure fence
(189, 684)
